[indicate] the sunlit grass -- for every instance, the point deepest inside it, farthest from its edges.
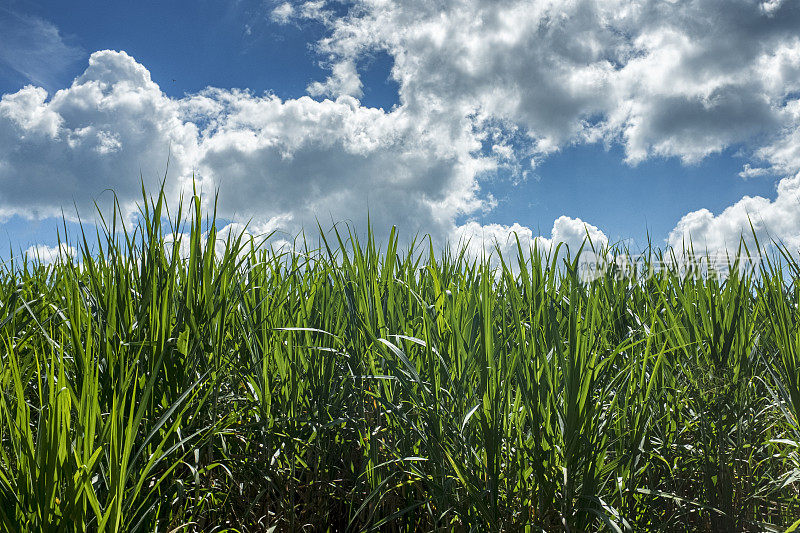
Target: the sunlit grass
(345, 387)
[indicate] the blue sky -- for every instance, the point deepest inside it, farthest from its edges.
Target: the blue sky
(496, 117)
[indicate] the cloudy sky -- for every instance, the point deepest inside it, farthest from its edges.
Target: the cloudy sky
(547, 118)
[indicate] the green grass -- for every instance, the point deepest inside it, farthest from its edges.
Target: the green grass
(345, 387)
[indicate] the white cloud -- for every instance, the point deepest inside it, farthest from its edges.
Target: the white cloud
(110, 125)
(281, 162)
(335, 160)
(482, 85)
(283, 13)
(783, 153)
(777, 219)
(315, 9)
(683, 79)
(749, 171)
(573, 232)
(663, 79)
(260, 236)
(344, 80)
(770, 6)
(50, 254)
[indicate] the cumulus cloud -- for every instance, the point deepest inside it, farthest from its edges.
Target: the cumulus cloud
(663, 79)
(235, 235)
(572, 232)
(278, 163)
(336, 160)
(683, 79)
(50, 254)
(482, 86)
(112, 126)
(777, 220)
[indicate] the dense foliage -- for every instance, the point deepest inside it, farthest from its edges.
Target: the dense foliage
(210, 386)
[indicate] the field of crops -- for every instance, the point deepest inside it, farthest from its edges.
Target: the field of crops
(347, 387)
